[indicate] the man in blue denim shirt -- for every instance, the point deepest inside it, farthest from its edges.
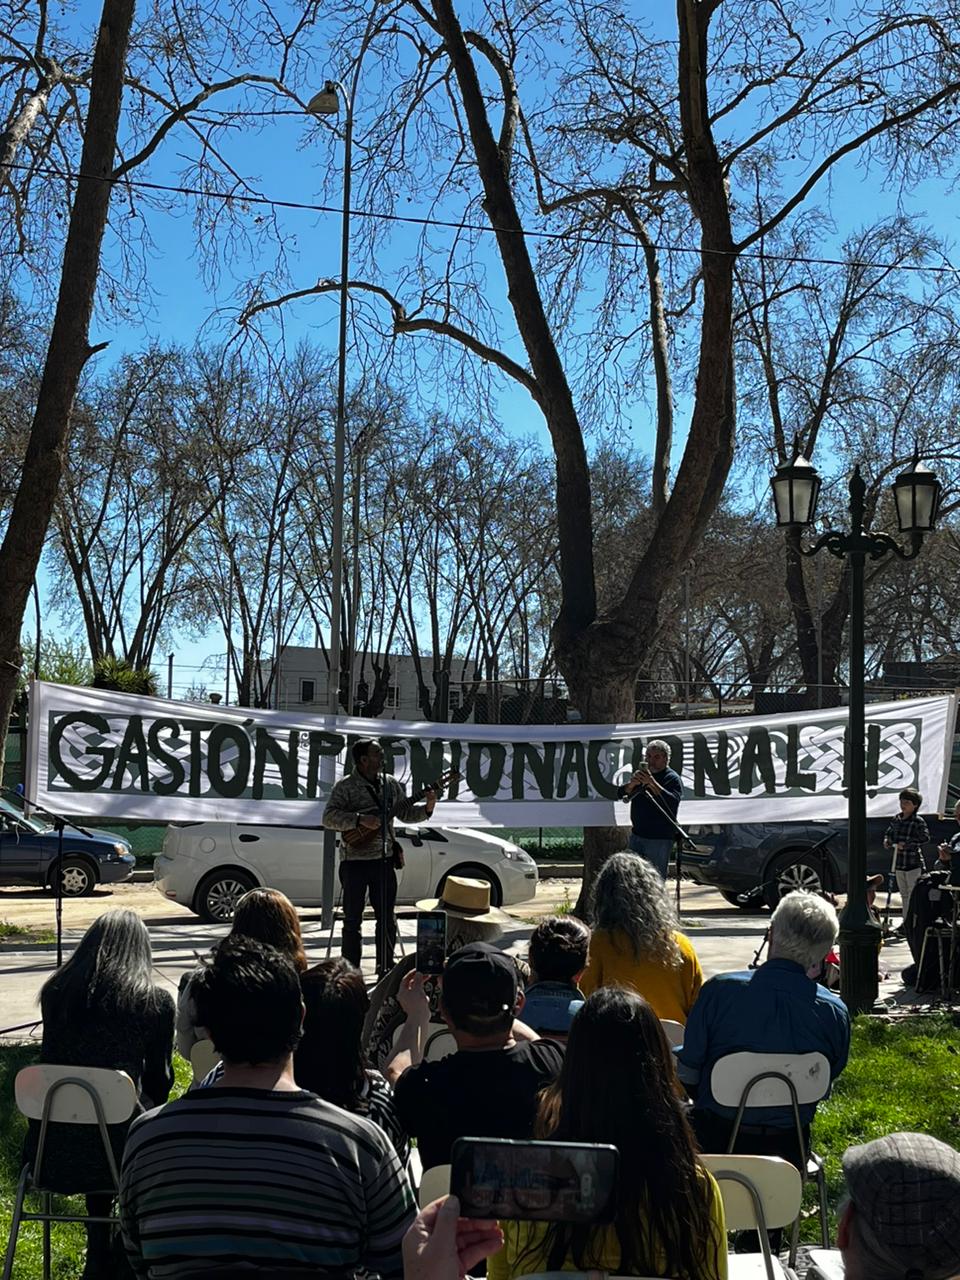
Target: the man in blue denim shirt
(654, 791)
(778, 1008)
(558, 955)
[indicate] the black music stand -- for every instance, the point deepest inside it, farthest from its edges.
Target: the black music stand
(58, 821)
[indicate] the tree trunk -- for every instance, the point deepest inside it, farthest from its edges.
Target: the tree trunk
(600, 668)
(68, 350)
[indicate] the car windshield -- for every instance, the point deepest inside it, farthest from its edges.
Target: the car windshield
(8, 810)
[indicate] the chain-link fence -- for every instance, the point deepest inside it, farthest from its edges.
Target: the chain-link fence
(547, 701)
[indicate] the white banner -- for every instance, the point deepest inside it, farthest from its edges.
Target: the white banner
(97, 753)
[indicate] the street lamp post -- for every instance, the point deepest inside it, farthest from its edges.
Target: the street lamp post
(328, 102)
(916, 491)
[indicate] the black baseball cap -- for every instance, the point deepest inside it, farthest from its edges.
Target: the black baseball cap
(479, 981)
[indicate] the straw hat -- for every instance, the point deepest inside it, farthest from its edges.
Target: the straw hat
(466, 900)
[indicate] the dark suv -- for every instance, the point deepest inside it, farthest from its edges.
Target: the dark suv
(28, 855)
(753, 864)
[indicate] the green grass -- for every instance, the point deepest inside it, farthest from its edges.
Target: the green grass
(903, 1075)
(21, 933)
(68, 1239)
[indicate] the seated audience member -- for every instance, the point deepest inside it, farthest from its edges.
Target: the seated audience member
(470, 918)
(901, 1218)
(615, 1087)
(635, 942)
(265, 915)
(777, 1008)
(102, 1009)
(557, 957)
(329, 1059)
(489, 1087)
(254, 1174)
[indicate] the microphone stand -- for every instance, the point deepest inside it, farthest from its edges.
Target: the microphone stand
(385, 850)
(58, 821)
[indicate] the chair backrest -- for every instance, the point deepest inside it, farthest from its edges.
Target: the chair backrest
(763, 1078)
(579, 1275)
(434, 1183)
(69, 1095)
(203, 1058)
(439, 1045)
(673, 1031)
(746, 1180)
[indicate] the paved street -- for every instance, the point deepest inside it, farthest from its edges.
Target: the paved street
(725, 938)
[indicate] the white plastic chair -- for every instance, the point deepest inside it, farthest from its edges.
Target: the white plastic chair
(744, 1080)
(439, 1045)
(825, 1264)
(203, 1058)
(759, 1192)
(434, 1183)
(673, 1031)
(65, 1095)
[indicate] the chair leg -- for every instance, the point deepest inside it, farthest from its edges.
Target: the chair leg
(943, 967)
(824, 1211)
(15, 1224)
(923, 956)
(47, 1203)
(794, 1242)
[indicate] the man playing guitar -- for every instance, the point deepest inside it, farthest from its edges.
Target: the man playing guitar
(355, 809)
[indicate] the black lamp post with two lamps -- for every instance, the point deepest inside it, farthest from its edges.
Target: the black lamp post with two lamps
(916, 492)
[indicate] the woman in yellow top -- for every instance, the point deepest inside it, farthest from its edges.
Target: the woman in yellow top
(615, 1086)
(635, 942)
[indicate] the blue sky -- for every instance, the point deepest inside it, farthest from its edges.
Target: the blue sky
(286, 162)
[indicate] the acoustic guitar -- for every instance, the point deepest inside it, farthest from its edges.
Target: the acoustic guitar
(364, 837)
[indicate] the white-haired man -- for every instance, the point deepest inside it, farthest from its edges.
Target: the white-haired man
(901, 1218)
(654, 791)
(777, 1008)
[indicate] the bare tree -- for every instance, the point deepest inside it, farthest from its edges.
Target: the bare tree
(856, 365)
(630, 136)
(68, 351)
(154, 445)
(59, 156)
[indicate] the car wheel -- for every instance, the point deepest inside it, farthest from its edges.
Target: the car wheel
(789, 871)
(745, 901)
(470, 872)
(77, 878)
(219, 894)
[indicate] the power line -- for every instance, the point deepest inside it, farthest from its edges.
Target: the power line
(302, 206)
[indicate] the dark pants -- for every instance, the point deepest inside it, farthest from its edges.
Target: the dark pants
(713, 1133)
(360, 876)
(105, 1258)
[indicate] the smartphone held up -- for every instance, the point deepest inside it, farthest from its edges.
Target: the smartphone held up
(431, 941)
(535, 1181)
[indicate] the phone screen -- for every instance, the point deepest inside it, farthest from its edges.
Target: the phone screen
(431, 941)
(535, 1181)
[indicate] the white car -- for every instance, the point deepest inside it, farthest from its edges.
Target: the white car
(207, 866)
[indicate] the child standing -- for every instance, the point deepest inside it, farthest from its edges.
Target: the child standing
(906, 833)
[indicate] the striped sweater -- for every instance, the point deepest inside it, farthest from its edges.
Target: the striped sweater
(227, 1181)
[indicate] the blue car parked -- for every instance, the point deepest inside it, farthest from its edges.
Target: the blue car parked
(29, 852)
(755, 864)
